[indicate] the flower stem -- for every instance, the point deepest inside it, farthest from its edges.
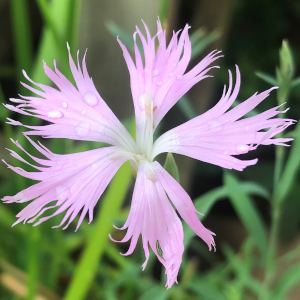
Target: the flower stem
(97, 241)
(275, 221)
(33, 259)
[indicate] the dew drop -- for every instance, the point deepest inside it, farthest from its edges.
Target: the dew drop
(82, 129)
(62, 192)
(215, 126)
(64, 105)
(159, 83)
(83, 112)
(55, 114)
(242, 148)
(90, 99)
(179, 77)
(155, 72)
(171, 74)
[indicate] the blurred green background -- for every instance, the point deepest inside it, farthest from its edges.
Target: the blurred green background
(255, 213)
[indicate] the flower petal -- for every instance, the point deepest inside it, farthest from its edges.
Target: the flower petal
(218, 134)
(74, 181)
(153, 216)
(76, 113)
(163, 75)
(184, 205)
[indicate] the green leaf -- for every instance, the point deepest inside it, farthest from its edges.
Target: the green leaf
(163, 11)
(204, 203)
(186, 107)
(200, 44)
(246, 211)
(206, 290)
(21, 34)
(73, 29)
(295, 82)
(289, 279)
(87, 267)
(267, 78)
(171, 167)
(197, 35)
(291, 168)
(124, 37)
(157, 293)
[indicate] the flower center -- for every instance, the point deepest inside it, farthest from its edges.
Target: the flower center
(144, 127)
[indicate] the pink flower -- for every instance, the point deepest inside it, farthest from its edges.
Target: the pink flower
(76, 181)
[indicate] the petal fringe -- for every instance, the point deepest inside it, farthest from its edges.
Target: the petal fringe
(69, 183)
(218, 135)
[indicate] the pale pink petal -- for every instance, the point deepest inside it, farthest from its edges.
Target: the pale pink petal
(218, 135)
(163, 75)
(71, 183)
(152, 216)
(184, 205)
(76, 113)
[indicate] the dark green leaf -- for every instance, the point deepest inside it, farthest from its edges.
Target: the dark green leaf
(157, 293)
(291, 167)
(267, 78)
(289, 279)
(248, 213)
(171, 167)
(186, 107)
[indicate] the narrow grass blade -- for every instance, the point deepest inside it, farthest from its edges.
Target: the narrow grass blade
(267, 78)
(289, 279)
(291, 167)
(205, 202)
(157, 293)
(247, 212)
(89, 262)
(21, 34)
(171, 167)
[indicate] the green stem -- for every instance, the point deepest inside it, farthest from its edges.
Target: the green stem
(22, 35)
(73, 25)
(163, 11)
(279, 152)
(89, 261)
(275, 222)
(33, 266)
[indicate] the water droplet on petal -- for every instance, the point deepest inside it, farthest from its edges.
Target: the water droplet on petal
(171, 74)
(55, 114)
(64, 105)
(90, 99)
(215, 126)
(82, 129)
(159, 83)
(179, 77)
(83, 112)
(242, 149)
(155, 72)
(62, 193)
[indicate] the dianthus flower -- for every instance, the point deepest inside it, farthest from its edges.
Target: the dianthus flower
(76, 181)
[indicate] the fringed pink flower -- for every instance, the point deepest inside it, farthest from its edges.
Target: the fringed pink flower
(73, 183)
